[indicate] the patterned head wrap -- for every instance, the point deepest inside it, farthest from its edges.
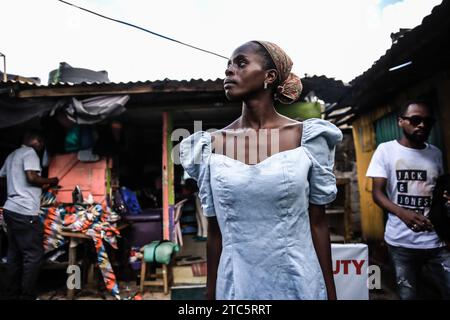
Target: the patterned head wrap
(290, 86)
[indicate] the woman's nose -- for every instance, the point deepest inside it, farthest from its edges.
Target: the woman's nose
(229, 70)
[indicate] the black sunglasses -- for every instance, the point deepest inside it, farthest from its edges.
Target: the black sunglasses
(416, 120)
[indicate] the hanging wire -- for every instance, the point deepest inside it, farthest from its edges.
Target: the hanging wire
(143, 29)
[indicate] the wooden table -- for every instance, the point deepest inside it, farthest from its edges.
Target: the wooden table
(74, 238)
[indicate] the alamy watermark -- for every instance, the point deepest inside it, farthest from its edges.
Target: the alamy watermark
(232, 143)
(74, 277)
(374, 277)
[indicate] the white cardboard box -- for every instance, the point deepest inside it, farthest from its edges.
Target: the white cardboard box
(350, 267)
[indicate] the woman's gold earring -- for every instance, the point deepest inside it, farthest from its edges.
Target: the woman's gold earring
(265, 85)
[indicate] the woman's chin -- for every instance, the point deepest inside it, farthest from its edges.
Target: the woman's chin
(231, 95)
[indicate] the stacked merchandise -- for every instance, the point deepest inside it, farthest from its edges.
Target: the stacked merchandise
(135, 258)
(188, 220)
(94, 220)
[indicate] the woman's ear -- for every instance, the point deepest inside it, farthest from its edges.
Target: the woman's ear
(271, 76)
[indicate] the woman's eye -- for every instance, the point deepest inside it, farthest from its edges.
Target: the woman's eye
(241, 63)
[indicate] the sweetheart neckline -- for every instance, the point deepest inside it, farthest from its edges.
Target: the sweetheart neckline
(263, 161)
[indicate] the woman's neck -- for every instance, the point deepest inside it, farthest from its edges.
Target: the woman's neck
(258, 114)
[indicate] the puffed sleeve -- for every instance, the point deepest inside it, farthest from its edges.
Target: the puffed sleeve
(195, 152)
(319, 139)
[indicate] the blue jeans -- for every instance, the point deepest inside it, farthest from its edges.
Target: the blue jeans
(409, 265)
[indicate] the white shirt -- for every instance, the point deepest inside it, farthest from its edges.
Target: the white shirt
(23, 198)
(411, 176)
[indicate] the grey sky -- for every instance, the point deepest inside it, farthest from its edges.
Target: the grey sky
(339, 39)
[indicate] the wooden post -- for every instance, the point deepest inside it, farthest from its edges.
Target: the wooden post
(372, 223)
(167, 177)
(348, 211)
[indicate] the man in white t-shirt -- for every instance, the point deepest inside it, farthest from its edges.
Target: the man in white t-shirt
(404, 173)
(22, 170)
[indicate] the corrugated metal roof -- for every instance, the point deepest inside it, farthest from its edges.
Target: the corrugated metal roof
(188, 99)
(20, 89)
(423, 50)
(327, 89)
(166, 82)
(21, 79)
(438, 14)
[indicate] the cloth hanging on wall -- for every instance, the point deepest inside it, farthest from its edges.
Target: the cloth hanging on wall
(96, 221)
(96, 109)
(87, 111)
(14, 112)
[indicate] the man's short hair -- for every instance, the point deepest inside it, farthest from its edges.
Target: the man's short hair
(191, 185)
(31, 135)
(404, 108)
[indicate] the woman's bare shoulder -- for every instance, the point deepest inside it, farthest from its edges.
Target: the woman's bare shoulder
(292, 125)
(220, 132)
(288, 122)
(292, 131)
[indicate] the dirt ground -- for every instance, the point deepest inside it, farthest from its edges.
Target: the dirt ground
(52, 282)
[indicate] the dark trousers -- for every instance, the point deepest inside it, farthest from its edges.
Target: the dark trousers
(25, 254)
(410, 264)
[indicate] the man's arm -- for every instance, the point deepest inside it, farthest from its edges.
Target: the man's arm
(36, 180)
(409, 217)
(321, 239)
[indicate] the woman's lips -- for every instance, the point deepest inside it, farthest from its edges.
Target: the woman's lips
(228, 85)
